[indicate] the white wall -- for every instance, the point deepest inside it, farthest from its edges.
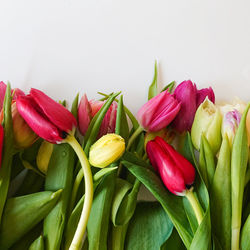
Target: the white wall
(65, 46)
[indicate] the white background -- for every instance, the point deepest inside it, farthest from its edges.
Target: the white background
(66, 46)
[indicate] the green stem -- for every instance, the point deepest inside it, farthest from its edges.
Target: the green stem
(134, 136)
(195, 205)
(79, 234)
(235, 238)
(75, 189)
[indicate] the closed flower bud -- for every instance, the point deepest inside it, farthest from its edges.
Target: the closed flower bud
(158, 112)
(108, 149)
(207, 121)
(176, 172)
(43, 156)
(231, 121)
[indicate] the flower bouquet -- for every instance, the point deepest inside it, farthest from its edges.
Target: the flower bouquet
(70, 179)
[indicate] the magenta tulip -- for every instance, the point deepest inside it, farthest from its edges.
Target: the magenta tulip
(47, 118)
(158, 112)
(190, 98)
(202, 94)
(176, 171)
(88, 109)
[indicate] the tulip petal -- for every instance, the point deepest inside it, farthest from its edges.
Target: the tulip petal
(16, 92)
(181, 162)
(185, 93)
(158, 112)
(171, 176)
(55, 112)
(29, 110)
(1, 142)
(203, 93)
(84, 114)
(2, 93)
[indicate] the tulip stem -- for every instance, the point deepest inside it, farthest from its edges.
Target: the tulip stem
(195, 205)
(134, 136)
(79, 234)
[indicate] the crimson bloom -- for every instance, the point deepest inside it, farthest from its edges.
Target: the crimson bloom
(47, 118)
(176, 171)
(158, 112)
(190, 98)
(88, 109)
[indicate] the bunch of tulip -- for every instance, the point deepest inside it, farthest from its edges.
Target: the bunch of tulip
(71, 179)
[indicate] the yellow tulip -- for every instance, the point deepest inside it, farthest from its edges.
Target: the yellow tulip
(108, 149)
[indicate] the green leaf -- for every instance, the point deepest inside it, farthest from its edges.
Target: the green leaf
(174, 242)
(221, 197)
(23, 213)
(169, 87)
(98, 223)
(74, 107)
(172, 204)
(238, 170)
(206, 163)
(38, 244)
(245, 242)
(152, 91)
(8, 148)
(149, 228)
(59, 176)
(122, 128)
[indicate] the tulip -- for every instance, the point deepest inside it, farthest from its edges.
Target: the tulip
(202, 94)
(109, 148)
(54, 123)
(158, 112)
(48, 119)
(190, 98)
(88, 109)
(231, 121)
(207, 121)
(176, 172)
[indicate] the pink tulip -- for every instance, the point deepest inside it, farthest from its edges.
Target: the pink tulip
(158, 112)
(16, 92)
(176, 171)
(47, 118)
(88, 109)
(190, 98)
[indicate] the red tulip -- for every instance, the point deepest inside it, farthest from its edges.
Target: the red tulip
(47, 118)
(158, 112)
(1, 142)
(176, 171)
(88, 109)
(190, 98)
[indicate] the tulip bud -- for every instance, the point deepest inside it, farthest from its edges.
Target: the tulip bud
(43, 156)
(231, 121)
(109, 148)
(207, 121)
(24, 136)
(158, 112)
(176, 171)
(88, 109)
(190, 98)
